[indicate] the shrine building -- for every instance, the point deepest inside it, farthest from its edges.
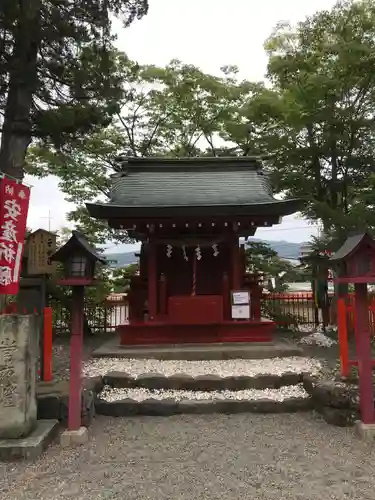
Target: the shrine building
(189, 215)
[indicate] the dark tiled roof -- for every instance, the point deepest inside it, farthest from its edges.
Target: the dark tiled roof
(80, 238)
(350, 245)
(191, 182)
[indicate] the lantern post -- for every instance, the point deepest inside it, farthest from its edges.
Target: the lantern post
(354, 263)
(79, 261)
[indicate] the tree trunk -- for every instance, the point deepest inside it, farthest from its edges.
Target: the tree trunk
(16, 131)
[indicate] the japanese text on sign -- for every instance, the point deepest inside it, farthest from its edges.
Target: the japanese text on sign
(14, 204)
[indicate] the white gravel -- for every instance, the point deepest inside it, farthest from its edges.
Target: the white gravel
(319, 339)
(201, 457)
(294, 391)
(222, 368)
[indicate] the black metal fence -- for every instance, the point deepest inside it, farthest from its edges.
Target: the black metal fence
(99, 318)
(283, 308)
(288, 308)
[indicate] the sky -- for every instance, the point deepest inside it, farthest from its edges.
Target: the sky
(208, 34)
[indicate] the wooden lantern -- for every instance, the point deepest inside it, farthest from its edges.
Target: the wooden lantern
(355, 263)
(79, 261)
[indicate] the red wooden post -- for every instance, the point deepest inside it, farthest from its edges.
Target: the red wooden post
(227, 313)
(343, 337)
(152, 281)
(47, 344)
(76, 340)
(256, 297)
(163, 294)
(366, 391)
(235, 257)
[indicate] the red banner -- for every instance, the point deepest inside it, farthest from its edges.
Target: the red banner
(14, 205)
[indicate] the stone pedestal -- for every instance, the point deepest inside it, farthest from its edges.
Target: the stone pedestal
(19, 347)
(74, 438)
(365, 431)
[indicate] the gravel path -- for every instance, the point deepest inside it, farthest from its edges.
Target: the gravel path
(207, 457)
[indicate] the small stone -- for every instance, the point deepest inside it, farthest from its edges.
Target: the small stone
(151, 381)
(341, 417)
(180, 381)
(74, 438)
(118, 379)
(208, 382)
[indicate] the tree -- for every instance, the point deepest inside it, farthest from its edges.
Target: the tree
(262, 259)
(320, 113)
(58, 77)
(315, 123)
(121, 277)
(175, 111)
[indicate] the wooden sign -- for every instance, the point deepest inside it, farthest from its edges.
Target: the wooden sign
(40, 246)
(240, 297)
(240, 304)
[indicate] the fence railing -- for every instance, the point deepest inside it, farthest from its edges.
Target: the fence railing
(99, 318)
(281, 307)
(298, 306)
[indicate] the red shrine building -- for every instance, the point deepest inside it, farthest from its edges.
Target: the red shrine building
(189, 215)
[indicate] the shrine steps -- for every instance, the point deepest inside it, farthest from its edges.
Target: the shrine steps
(201, 351)
(153, 393)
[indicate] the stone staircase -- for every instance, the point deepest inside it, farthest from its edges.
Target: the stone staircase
(220, 378)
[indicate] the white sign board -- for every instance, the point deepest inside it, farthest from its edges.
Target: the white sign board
(241, 312)
(240, 298)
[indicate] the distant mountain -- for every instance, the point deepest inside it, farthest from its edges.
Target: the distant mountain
(285, 249)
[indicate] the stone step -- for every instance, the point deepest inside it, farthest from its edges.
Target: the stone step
(208, 382)
(131, 402)
(219, 351)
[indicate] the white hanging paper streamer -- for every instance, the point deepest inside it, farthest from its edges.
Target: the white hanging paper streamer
(184, 253)
(215, 249)
(169, 251)
(198, 253)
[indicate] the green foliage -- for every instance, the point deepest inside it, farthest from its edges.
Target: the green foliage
(121, 277)
(314, 122)
(262, 259)
(59, 77)
(322, 139)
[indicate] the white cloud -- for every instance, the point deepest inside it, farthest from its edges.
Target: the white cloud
(48, 207)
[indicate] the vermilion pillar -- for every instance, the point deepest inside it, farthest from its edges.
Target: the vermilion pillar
(76, 341)
(235, 264)
(152, 281)
(363, 344)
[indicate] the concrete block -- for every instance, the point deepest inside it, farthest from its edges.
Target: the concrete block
(365, 431)
(74, 438)
(19, 350)
(33, 445)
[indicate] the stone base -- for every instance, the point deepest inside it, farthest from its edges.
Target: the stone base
(200, 352)
(168, 407)
(365, 431)
(74, 438)
(31, 446)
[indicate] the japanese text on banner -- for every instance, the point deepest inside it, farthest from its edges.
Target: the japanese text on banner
(14, 206)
